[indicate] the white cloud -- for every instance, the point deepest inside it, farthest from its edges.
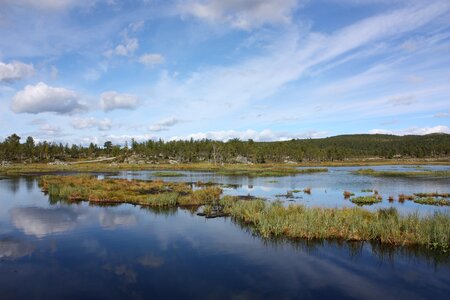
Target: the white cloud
(245, 14)
(102, 125)
(50, 129)
(289, 58)
(164, 124)
(52, 5)
(15, 70)
(442, 114)
(41, 222)
(127, 48)
(43, 98)
(402, 101)
(12, 249)
(112, 100)
(264, 135)
(112, 219)
(413, 130)
(151, 59)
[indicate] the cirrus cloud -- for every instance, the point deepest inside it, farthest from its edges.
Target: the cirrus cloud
(41, 98)
(246, 15)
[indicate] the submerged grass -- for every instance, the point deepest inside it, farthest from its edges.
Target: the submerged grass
(372, 172)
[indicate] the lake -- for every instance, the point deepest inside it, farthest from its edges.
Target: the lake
(57, 250)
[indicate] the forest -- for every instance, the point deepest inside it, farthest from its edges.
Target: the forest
(337, 148)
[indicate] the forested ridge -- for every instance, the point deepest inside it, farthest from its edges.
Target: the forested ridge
(343, 147)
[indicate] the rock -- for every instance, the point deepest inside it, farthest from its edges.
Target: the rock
(5, 163)
(242, 160)
(173, 162)
(58, 163)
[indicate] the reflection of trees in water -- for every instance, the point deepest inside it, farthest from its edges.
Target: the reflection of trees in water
(14, 184)
(30, 183)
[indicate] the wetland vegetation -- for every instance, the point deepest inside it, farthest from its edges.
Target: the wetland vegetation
(371, 172)
(266, 218)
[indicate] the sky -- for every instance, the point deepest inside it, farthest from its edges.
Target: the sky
(79, 71)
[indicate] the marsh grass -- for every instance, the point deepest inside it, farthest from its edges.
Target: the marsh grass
(355, 224)
(434, 195)
(366, 200)
(167, 174)
(403, 197)
(432, 201)
(348, 194)
(367, 191)
(145, 193)
(371, 172)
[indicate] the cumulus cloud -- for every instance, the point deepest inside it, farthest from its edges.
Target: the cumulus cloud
(40, 98)
(127, 48)
(164, 124)
(151, 59)
(413, 130)
(113, 100)
(264, 135)
(102, 125)
(15, 70)
(246, 14)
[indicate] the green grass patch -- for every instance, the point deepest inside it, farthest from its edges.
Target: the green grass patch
(167, 174)
(366, 200)
(432, 201)
(384, 225)
(371, 172)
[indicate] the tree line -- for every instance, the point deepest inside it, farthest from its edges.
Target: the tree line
(336, 148)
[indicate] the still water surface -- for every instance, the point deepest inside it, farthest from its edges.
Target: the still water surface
(61, 251)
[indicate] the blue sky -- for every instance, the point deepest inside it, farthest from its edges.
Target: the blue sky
(82, 71)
